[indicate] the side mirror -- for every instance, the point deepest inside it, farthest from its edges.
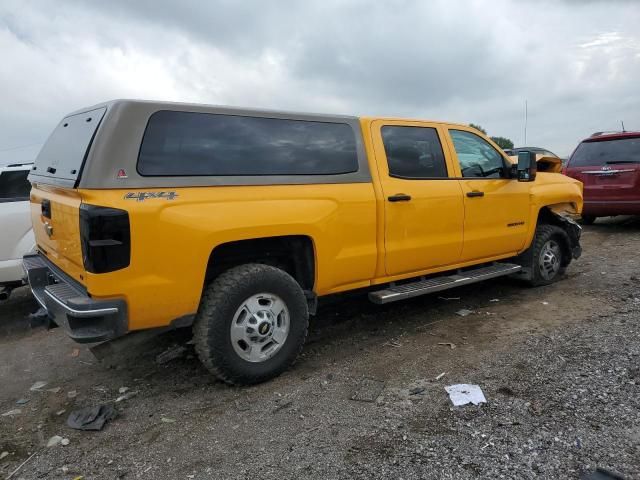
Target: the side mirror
(527, 166)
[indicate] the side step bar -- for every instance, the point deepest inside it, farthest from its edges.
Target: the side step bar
(437, 284)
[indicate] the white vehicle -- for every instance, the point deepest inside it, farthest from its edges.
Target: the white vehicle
(16, 234)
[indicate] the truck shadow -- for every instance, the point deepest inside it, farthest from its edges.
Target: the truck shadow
(342, 321)
(14, 313)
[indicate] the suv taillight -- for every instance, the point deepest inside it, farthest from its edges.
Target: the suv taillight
(105, 238)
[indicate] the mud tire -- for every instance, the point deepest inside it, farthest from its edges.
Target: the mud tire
(531, 259)
(220, 301)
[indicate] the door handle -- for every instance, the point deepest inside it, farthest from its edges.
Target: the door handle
(45, 208)
(475, 193)
(399, 197)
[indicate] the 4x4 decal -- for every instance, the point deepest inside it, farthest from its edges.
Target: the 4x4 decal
(141, 196)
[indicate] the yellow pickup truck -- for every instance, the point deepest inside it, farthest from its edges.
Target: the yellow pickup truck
(235, 221)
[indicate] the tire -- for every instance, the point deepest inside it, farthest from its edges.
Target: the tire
(588, 219)
(238, 346)
(548, 257)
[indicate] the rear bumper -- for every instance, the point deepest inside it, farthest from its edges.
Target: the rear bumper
(68, 304)
(606, 208)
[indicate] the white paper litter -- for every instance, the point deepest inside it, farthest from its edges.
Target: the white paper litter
(37, 386)
(464, 393)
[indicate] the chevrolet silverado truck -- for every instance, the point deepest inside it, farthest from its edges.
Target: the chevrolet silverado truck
(235, 222)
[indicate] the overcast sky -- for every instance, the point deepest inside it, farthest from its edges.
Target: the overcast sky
(577, 63)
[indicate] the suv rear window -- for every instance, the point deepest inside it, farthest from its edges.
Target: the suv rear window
(195, 144)
(14, 186)
(604, 152)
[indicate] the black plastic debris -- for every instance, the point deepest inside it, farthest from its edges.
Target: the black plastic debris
(92, 418)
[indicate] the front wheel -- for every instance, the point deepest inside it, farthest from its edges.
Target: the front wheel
(547, 258)
(251, 324)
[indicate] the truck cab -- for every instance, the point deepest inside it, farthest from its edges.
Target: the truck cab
(235, 221)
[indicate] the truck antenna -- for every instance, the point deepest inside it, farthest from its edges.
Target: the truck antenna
(622, 122)
(525, 122)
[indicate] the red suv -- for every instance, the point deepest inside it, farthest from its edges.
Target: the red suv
(608, 164)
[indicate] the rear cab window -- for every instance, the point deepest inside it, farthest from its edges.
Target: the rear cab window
(201, 144)
(599, 153)
(413, 152)
(14, 186)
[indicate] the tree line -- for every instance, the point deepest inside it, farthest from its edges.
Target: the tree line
(502, 142)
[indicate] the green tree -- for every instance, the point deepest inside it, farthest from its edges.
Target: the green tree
(503, 142)
(478, 127)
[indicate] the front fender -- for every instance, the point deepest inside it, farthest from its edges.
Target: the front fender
(558, 195)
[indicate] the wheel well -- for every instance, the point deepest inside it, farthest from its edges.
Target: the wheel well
(546, 216)
(292, 253)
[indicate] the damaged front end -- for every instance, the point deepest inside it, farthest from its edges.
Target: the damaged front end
(562, 216)
(565, 219)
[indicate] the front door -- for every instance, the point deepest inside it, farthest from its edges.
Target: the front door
(424, 211)
(497, 207)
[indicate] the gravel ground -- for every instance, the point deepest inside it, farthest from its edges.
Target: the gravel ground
(559, 366)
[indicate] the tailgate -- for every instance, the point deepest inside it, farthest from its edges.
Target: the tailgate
(55, 215)
(55, 202)
(612, 182)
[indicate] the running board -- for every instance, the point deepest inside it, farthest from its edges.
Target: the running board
(437, 284)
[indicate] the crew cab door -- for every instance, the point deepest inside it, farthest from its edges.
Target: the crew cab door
(496, 207)
(423, 206)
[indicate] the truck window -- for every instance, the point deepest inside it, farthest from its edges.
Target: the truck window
(14, 186)
(196, 144)
(413, 152)
(476, 156)
(62, 156)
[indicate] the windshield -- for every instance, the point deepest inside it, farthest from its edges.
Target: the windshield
(597, 154)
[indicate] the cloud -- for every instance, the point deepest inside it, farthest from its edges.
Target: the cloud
(577, 63)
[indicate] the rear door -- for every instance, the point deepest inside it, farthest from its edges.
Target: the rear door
(609, 170)
(424, 211)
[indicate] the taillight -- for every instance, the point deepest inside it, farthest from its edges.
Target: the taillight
(105, 237)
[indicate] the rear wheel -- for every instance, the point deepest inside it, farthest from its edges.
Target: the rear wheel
(547, 258)
(251, 324)
(588, 219)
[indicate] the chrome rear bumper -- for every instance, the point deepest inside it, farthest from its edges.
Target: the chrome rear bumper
(68, 304)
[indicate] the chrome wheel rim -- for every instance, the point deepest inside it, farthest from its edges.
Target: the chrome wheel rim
(550, 259)
(260, 327)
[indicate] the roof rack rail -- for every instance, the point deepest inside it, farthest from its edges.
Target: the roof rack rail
(606, 132)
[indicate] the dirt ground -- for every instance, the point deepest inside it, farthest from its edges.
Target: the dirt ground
(559, 366)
